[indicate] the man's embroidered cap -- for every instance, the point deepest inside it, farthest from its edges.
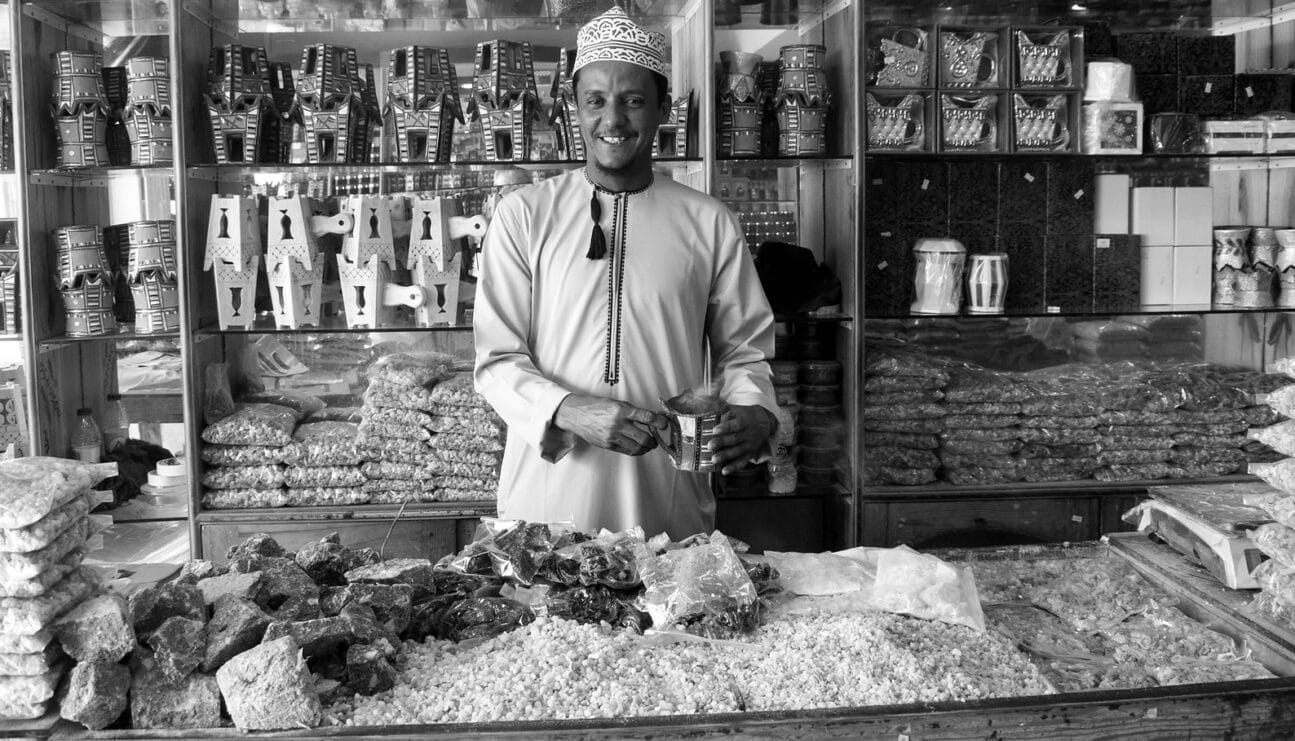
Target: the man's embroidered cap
(614, 36)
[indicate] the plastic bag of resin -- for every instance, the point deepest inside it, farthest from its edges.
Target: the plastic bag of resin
(31, 488)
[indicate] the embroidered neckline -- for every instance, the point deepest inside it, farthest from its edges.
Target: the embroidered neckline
(601, 189)
(616, 291)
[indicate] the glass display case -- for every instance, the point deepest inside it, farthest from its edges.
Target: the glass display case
(97, 253)
(339, 165)
(1073, 293)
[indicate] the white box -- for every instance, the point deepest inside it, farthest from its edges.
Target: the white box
(1157, 275)
(1235, 137)
(1228, 556)
(1152, 215)
(1193, 274)
(1111, 208)
(1193, 215)
(1112, 128)
(1280, 137)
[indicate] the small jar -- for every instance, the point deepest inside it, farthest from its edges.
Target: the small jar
(785, 372)
(787, 393)
(817, 477)
(818, 457)
(820, 372)
(820, 395)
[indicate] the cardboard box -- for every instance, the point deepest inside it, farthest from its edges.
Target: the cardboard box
(1071, 197)
(1111, 204)
(1206, 55)
(1158, 93)
(1157, 279)
(1193, 274)
(1117, 272)
(1208, 96)
(1235, 137)
(1150, 53)
(1279, 137)
(1026, 268)
(1152, 215)
(1023, 196)
(1112, 128)
(973, 196)
(1257, 93)
(1069, 271)
(1193, 216)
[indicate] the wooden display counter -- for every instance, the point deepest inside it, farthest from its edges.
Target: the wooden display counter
(1254, 709)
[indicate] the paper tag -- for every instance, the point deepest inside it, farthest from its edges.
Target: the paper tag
(883, 265)
(877, 181)
(1079, 194)
(1103, 243)
(1209, 86)
(1029, 177)
(1261, 398)
(926, 183)
(1250, 92)
(1153, 713)
(1076, 518)
(1054, 309)
(887, 234)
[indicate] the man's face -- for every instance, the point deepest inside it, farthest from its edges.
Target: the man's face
(616, 103)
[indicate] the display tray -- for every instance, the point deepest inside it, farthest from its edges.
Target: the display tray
(1258, 709)
(1208, 601)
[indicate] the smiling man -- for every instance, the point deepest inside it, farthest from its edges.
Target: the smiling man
(601, 291)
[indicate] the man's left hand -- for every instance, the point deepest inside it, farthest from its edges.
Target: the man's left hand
(740, 437)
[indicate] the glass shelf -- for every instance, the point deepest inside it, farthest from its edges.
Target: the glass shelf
(264, 324)
(304, 169)
(118, 337)
(831, 317)
(1149, 310)
(95, 20)
(353, 512)
(1024, 488)
(1151, 15)
(95, 177)
(808, 163)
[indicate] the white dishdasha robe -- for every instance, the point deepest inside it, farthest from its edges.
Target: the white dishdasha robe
(632, 326)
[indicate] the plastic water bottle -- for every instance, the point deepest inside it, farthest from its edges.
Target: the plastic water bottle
(87, 441)
(116, 426)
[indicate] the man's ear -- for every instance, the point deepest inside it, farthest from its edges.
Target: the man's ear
(665, 108)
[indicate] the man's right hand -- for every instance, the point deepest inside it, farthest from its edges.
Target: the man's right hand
(609, 424)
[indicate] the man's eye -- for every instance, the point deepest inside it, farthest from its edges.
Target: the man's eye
(634, 102)
(593, 101)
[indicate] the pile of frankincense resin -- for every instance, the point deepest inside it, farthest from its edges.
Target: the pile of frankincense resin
(577, 651)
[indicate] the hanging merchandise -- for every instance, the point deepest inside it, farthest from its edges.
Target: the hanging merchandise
(1230, 261)
(802, 100)
(505, 102)
(422, 103)
(80, 110)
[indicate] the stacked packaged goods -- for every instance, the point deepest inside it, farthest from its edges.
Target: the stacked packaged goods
(44, 529)
(982, 434)
(244, 452)
(903, 417)
(323, 465)
(1169, 336)
(1058, 431)
(468, 443)
(1102, 340)
(398, 426)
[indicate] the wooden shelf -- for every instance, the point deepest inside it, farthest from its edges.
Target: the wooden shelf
(1090, 487)
(420, 510)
